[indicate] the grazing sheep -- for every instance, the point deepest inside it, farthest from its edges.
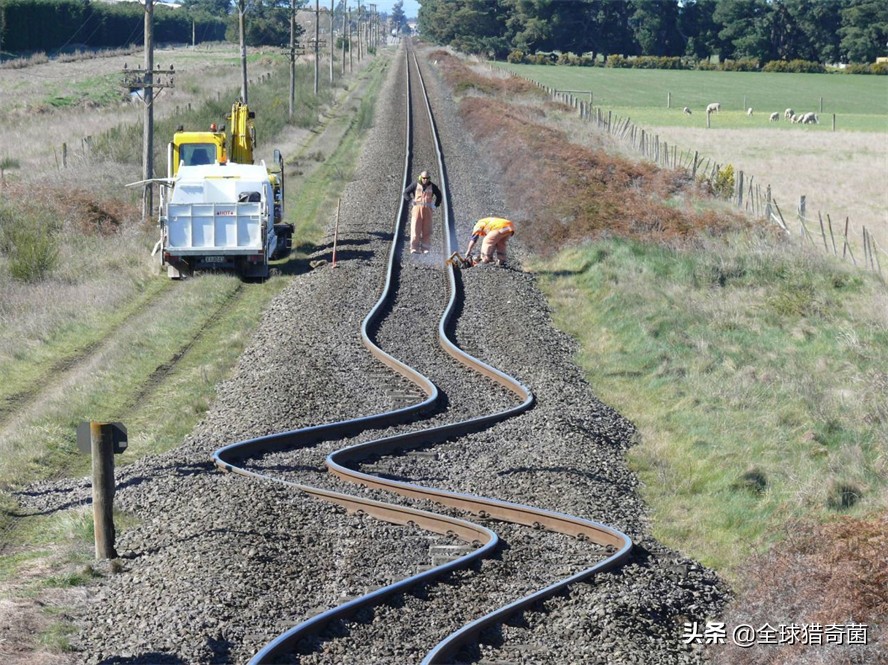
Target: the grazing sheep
(788, 113)
(794, 118)
(809, 118)
(713, 108)
(749, 111)
(686, 110)
(775, 116)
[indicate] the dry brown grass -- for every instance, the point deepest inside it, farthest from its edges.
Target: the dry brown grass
(33, 132)
(822, 574)
(841, 174)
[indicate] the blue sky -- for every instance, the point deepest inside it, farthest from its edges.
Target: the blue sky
(411, 7)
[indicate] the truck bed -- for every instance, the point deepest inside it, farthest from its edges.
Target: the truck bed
(214, 228)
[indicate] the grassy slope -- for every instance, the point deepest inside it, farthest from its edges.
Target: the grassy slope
(754, 374)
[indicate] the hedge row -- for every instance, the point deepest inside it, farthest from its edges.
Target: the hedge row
(663, 62)
(52, 25)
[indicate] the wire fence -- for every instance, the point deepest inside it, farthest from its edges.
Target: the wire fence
(741, 189)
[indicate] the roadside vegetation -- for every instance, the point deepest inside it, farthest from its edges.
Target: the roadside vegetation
(753, 369)
(91, 330)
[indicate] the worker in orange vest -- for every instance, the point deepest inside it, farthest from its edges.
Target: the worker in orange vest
(425, 196)
(496, 231)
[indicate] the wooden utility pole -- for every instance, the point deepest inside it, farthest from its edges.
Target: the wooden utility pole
(332, 41)
(292, 59)
(317, 41)
(148, 83)
(358, 29)
(344, 36)
(148, 124)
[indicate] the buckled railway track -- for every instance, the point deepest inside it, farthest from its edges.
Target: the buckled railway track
(350, 464)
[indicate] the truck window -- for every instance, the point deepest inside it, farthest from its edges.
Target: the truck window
(193, 154)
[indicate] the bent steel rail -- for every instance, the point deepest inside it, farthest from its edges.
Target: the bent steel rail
(340, 462)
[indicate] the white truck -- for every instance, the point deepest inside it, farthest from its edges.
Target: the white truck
(222, 216)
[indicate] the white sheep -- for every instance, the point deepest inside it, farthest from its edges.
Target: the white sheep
(788, 113)
(809, 118)
(795, 118)
(749, 111)
(713, 108)
(686, 110)
(775, 116)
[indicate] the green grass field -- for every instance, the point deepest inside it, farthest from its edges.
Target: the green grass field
(859, 102)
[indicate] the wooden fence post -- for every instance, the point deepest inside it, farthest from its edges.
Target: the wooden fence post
(823, 232)
(831, 236)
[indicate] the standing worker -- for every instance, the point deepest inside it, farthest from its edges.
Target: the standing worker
(495, 231)
(424, 194)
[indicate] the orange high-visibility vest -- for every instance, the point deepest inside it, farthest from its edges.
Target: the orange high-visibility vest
(490, 224)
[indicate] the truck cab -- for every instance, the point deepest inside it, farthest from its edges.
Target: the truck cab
(196, 149)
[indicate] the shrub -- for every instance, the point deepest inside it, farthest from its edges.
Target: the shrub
(741, 65)
(753, 481)
(878, 68)
(27, 239)
(724, 182)
(33, 252)
(515, 56)
(618, 62)
(843, 496)
(794, 66)
(819, 574)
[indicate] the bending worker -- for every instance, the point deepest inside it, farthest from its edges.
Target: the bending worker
(495, 231)
(424, 194)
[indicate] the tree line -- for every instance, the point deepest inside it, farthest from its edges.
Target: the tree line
(823, 31)
(30, 26)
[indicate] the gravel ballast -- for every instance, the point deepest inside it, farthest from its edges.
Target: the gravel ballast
(218, 565)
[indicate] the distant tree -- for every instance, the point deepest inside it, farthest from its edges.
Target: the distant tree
(267, 23)
(654, 25)
(611, 32)
(531, 23)
(472, 26)
(864, 31)
(398, 18)
(816, 35)
(574, 26)
(700, 30)
(746, 26)
(214, 8)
